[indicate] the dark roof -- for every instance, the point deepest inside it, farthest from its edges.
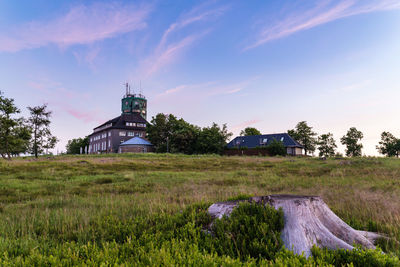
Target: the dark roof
(136, 141)
(253, 141)
(120, 121)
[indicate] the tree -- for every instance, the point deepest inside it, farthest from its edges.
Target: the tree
(169, 134)
(350, 140)
(326, 145)
(213, 139)
(305, 136)
(74, 146)
(250, 131)
(276, 148)
(389, 145)
(42, 139)
(14, 134)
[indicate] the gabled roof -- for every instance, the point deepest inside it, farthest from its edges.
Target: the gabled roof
(136, 141)
(120, 121)
(253, 141)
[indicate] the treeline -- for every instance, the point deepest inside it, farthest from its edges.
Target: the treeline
(20, 135)
(326, 144)
(170, 134)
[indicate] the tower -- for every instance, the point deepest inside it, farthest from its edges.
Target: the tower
(133, 103)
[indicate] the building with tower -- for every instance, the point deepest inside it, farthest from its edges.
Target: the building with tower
(107, 137)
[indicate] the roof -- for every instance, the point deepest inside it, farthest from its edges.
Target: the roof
(136, 141)
(253, 141)
(120, 121)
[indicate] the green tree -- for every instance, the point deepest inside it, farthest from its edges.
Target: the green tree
(389, 145)
(14, 134)
(250, 131)
(326, 145)
(42, 139)
(74, 146)
(276, 148)
(213, 139)
(305, 136)
(351, 141)
(169, 134)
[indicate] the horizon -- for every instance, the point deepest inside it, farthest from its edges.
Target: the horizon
(264, 65)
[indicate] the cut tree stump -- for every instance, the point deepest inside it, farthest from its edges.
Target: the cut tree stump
(308, 221)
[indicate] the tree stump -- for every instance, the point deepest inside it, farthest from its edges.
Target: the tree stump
(308, 221)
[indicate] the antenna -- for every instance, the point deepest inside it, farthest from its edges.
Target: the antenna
(126, 88)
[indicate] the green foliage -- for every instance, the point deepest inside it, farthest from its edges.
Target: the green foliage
(351, 141)
(250, 131)
(305, 136)
(143, 209)
(169, 134)
(326, 145)
(252, 230)
(42, 139)
(14, 134)
(74, 146)
(276, 148)
(389, 145)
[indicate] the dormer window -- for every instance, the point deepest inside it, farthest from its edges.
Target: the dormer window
(131, 124)
(282, 138)
(263, 141)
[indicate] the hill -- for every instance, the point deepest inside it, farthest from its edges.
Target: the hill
(150, 208)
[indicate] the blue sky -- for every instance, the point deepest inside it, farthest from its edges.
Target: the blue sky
(264, 64)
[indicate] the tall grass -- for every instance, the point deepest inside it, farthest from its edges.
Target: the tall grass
(87, 203)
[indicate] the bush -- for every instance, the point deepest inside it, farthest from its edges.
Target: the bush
(276, 148)
(252, 230)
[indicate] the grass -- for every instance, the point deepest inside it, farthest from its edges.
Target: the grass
(66, 205)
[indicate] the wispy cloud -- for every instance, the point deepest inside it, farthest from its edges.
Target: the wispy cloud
(169, 49)
(80, 25)
(169, 54)
(324, 11)
(245, 124)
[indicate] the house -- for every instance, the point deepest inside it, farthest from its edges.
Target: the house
(293, 148)
(136, 145)
(107, 137)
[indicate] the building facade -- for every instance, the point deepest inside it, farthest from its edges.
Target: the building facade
(107, 137)
(255, 142)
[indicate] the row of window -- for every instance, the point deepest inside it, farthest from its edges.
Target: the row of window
(134, 124)
(100, 136)
(99, 146)
(123, 133)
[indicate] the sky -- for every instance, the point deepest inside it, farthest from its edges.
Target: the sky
(263, 64)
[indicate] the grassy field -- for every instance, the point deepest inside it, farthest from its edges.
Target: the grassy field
(69, 210)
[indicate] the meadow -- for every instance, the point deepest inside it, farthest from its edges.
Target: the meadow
(149, 209)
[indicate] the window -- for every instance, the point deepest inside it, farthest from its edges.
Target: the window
(109, 133)
(132, 124)
(282, 138)
(122, 133)
(109, 143)
(130, 134)
(136, 133)
(263, 140)
(140, 134)
(141, 125)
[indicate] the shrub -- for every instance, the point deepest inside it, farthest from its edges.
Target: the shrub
(276, 148)
(252, 230)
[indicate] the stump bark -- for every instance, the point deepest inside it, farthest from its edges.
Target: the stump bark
(308, 221)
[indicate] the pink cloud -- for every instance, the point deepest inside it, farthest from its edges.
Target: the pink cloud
(323, 12)
(83, 116)
(166, 51)
(169, 54)
(81, 25)
(245, 124)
